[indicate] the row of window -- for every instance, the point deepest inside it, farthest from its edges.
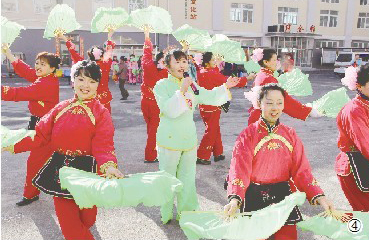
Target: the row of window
(241, 12)
(45, 6)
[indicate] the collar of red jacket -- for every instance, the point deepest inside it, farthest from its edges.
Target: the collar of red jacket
(362, 98)
(267, 71)
(265, 125)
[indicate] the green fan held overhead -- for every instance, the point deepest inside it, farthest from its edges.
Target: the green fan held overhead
(109, 19)
(156, 19)
(296, 83)
(332, 102)
(196, 39)
(229, 50)
(61, 20)
(9, 31)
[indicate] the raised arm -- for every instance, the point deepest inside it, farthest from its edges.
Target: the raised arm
(20, 67)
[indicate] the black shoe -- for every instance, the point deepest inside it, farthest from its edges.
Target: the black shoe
(153, 161)
(123, 99)
(219, 158)
(26, 201)
(203, 161)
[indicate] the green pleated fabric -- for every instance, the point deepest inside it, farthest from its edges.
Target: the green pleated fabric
(158, 19)
(196, 38)
(335, 229)
(109, 18)
(332, 102)
(258, 225)
(11, 137)
(252, 67)
(61, 18)
(9, 30)
(230, 50)
(89, 189)
(296, 83)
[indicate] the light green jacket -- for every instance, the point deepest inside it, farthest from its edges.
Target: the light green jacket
(177, 130)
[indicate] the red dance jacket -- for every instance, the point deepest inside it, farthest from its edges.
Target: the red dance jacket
(353, 127)
(151, 74)
(42, 94)
(212, 78)
(265, 155)
(76, 128)
(103, 92)
(292, 107)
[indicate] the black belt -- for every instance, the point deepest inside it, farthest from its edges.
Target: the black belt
(360, 168)
(261, 196)
(32, 122)
(47, 179)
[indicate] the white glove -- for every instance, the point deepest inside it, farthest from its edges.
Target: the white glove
(315, 113)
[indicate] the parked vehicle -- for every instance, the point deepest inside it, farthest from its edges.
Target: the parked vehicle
(345, 59)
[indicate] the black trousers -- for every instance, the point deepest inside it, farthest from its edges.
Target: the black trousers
(123, 91)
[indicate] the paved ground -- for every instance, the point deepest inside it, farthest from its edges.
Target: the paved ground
(38, 221)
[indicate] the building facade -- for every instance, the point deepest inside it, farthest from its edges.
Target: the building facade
(314, 24)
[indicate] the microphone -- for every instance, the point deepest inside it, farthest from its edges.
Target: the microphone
(194, 89)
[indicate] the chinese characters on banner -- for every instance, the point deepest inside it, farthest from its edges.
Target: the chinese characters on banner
(193, 9)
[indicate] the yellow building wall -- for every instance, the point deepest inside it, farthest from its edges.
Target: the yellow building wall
(256, 26)
(341, 7)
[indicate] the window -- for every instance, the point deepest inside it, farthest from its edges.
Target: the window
(136, 4)
(328, 18)
(242, 12)
(331, 1)
(364, 2)
(326, 44)
(363, 20)
(9, 5)
(287, 15)
(101, 3)
(357, 44)
(43, 6)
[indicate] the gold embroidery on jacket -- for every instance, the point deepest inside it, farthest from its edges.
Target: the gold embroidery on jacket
(77, 110)
(81, 104)
(41, 103)
(238, 182)
(270, 137)
(314, 183)
(273, 145)
(6, 89)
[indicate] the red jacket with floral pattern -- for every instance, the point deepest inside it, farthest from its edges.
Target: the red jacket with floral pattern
(267, 155)
(74, 128)
(353, 127)
(42, 94)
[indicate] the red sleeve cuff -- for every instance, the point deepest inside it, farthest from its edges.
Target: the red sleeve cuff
(24, 145)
